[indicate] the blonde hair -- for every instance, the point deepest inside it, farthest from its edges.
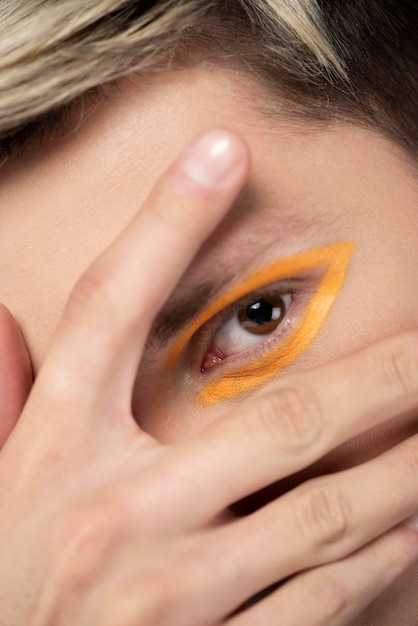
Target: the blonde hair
(52, 52)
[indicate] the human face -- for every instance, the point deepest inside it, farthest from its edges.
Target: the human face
(336, 189)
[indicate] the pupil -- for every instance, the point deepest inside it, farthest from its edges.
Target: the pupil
(260, 312)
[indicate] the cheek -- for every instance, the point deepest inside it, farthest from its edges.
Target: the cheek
(379, 299)
(172, 417)
(168, 408)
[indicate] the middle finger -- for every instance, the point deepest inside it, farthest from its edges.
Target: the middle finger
(293, 423)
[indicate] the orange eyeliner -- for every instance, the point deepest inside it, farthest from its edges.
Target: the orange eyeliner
(234, 382)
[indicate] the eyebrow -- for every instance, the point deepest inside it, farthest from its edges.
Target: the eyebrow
(226, 267)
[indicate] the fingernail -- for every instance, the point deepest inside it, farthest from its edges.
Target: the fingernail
(209, 160)
(412, 523)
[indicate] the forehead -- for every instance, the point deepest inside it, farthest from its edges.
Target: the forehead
(148, 121)
(301, 175)
(144, 122)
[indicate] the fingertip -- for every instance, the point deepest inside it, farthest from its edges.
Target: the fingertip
(216, 158)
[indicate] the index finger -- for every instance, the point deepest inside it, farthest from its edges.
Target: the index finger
(99, 341)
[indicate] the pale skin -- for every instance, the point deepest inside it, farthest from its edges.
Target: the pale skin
(78, 448)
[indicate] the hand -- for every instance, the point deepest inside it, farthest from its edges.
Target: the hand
(15, 373)
(102, 525)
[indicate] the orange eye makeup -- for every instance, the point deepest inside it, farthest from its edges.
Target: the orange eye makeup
(230, 383)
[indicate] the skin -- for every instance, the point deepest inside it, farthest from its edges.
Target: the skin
(335, 184)
(73, 553)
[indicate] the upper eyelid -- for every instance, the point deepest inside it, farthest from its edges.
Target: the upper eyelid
(279, 287)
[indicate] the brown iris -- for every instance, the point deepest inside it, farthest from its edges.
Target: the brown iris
(264, 316)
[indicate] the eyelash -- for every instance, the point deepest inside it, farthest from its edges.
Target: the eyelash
(201, 342)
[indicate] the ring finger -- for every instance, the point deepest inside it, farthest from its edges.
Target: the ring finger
(323, 520)
(336, 593)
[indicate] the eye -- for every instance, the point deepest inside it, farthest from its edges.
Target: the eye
(248, 326)
(262, 334)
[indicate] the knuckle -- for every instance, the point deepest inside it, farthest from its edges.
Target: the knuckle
(322, 513)
(328, 594)
(144, 601)
(387, 558)
(381, 560)
(83, 542)
(167, 208)
(96, 292)
(291, 417)
(409, 449)
(167, 217)
(400, 367)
